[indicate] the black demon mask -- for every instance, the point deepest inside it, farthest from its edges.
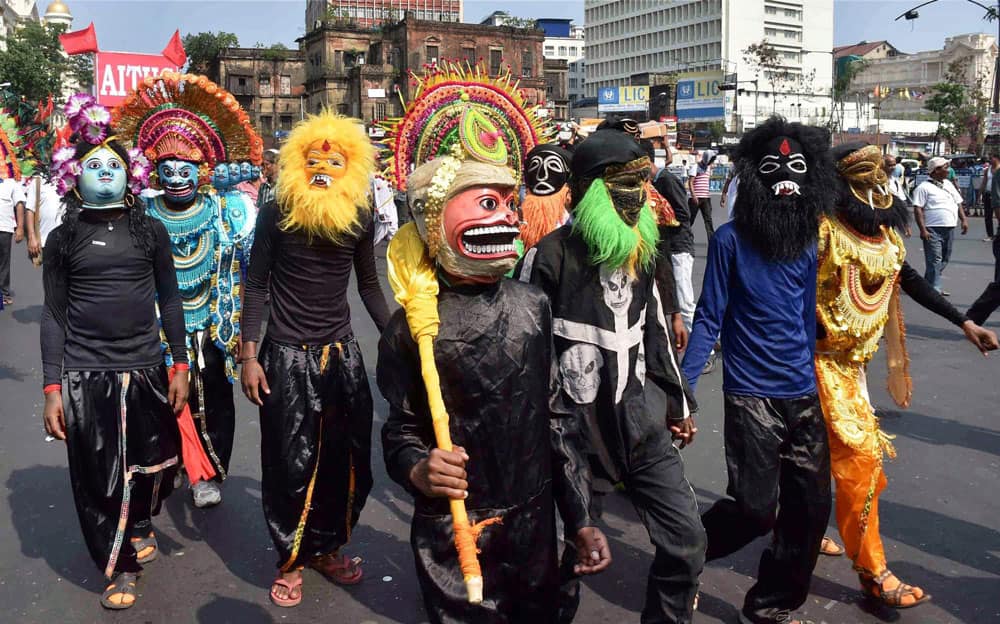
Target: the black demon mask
(783, 166)
(546, 170)
(785, 183)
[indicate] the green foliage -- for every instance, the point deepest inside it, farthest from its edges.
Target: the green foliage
(202, 48)
(36, 67)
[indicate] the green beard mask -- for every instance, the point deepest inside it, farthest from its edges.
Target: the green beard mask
(610, 240)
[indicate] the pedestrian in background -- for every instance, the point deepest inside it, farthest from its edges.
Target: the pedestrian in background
(11, 230)
(938, 210)
(46, 210)
(698, 186)
(268, 177)
(986, 190)
(897, 187)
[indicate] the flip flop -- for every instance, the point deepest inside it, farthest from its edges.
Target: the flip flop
(291, 587)
(336, 571)
(121, 585)
(830, 548)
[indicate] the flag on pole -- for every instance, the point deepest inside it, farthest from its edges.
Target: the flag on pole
(79, 41)
(174, 52)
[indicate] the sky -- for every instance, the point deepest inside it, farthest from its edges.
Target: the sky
(146, 25)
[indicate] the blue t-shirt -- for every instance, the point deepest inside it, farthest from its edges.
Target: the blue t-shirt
(766, 313)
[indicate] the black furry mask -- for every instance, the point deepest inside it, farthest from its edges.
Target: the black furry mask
(786, 181)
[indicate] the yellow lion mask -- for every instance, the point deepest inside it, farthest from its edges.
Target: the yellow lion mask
(324, 175)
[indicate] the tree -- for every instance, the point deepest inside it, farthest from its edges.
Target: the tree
(946, 100)
(36, 66)
(767, 60)
(847, 71)
(203, 47)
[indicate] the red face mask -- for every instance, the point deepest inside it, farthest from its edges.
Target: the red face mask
(481, 223)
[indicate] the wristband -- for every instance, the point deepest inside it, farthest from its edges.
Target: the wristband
(181, 366)
(49, 389)
(248, 358)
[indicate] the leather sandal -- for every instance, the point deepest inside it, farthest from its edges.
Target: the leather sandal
(893, 598)
(830, 548)
(142, 544)
(338, 568)
(122, 585)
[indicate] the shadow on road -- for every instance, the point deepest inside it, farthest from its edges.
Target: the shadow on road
(942, 431)
(232, 611)
(44, 516)
(9, 372)
(28, 315)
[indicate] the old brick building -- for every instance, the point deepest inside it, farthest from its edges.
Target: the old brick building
(557, 88)
(363, 72)
(268, 83)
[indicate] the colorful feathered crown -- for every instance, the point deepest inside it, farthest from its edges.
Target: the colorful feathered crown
(463, 112)
(187, 117)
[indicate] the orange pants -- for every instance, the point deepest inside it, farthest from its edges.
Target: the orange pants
(856, 449)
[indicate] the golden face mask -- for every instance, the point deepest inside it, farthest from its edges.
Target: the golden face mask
(626, 185)
(324, 164)
(862, 170)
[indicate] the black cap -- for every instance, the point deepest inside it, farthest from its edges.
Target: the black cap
(603, 148)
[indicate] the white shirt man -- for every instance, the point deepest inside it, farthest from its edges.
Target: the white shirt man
(940, 201)
(43, 200)
(937, 209)
(11, 230)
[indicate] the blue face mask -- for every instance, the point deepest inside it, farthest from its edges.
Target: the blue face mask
(254, 172)
(220, 177)
(102, 183)
(246, 172)
(179, 179)
(234, 173)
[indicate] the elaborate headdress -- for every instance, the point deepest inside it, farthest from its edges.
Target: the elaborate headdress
(332, 209)
(25, 136)
(90, 123)
(865, 201)
(187, 117)
(462, 130)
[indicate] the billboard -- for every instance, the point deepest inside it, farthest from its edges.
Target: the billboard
(622, 99)
(699, 98)
(116, 74)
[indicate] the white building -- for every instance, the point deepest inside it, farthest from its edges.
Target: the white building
(569, 49)
(14, 12)
(904, 81)
(629, 37)
(58, 14)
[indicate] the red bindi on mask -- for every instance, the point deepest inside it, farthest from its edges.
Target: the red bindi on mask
(785, 148)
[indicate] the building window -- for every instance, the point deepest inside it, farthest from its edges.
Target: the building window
(496, 60)
(264, 86)
(285, 87)
(266, 127)
(431, 54)
(562, 50)
(527, 64)
(240, 85)
(550, 50)
(286, 122)
(469, 55)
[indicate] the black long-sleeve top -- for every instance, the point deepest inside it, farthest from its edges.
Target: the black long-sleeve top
(681, 237)
(307, 280)
(499, 381)
(100, 302)
(923, 293)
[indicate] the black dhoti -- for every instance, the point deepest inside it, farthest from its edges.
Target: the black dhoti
(315, 446)
(778, 460)
(123, 446)
(212, 406)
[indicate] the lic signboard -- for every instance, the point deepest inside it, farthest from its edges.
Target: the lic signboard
(699, 98)
(622, 99)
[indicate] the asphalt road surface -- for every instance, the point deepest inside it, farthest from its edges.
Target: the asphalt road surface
(940, 513)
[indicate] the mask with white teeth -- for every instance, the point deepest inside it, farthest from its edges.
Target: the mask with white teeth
(324, 164)
(472, 235)
(783, 167)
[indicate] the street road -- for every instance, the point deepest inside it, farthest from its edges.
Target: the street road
(940, 513)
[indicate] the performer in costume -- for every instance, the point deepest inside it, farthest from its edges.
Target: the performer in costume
(308, 376)
(610, 334)
(193, 131)
(493, 351)
(546, 192)
(760, 293)
(862, 268)
(106, 269)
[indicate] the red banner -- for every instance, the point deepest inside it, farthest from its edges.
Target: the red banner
(116, 74)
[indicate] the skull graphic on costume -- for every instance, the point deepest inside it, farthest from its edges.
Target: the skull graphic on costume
(617, 285)
(579, 367)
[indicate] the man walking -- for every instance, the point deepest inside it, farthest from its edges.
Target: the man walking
(986, 190)
(47, 209)
(937, 209)
(698, 185)
(11, 230)
(269, 174)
